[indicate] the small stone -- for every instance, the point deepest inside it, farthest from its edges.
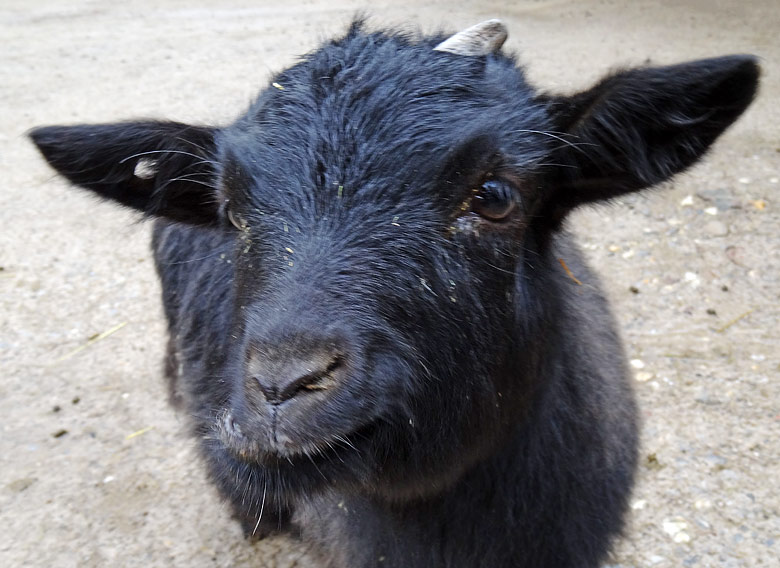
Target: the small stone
(637, 363)
(744, 180)
(693, 279)
(687, 201)
(643, 376)
(675, 526)
(639, 504)
(759, 204)
(702, 504)
(682, 537)
(711, 210)
(108, 479)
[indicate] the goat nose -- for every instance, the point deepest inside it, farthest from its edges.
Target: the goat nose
(280, 376)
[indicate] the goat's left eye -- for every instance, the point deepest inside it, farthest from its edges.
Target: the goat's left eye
(494, 201)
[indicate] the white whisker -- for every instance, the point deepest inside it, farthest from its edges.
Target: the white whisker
(160, 152)
(262, 506)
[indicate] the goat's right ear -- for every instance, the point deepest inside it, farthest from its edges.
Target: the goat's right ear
(163, 169)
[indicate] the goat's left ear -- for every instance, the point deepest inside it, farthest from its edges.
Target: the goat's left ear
(161, 168)
(639, 127)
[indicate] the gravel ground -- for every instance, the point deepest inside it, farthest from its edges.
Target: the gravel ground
(95, 469)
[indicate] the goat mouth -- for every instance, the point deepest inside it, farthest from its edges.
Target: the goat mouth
(275, 446)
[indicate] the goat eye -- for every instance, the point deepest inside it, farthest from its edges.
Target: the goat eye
(494, 201)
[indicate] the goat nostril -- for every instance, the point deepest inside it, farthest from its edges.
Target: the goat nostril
(283, 380)
(325, 379)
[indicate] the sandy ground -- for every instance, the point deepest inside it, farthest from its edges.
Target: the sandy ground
(95, 468)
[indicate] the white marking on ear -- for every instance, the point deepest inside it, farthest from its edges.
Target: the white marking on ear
(483, 39)
(145, 168)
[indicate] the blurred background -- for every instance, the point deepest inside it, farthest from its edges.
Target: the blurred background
(96, 469)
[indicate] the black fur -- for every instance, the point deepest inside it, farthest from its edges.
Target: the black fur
(371, 360)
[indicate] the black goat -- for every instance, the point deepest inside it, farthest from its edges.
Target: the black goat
(365, 279)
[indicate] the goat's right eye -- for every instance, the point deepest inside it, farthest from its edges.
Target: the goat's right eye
(494, 201)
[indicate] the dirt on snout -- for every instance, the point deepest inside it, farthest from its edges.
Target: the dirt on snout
(96, 469)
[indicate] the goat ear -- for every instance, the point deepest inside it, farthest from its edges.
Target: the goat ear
(639, 127)
(160, 168)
